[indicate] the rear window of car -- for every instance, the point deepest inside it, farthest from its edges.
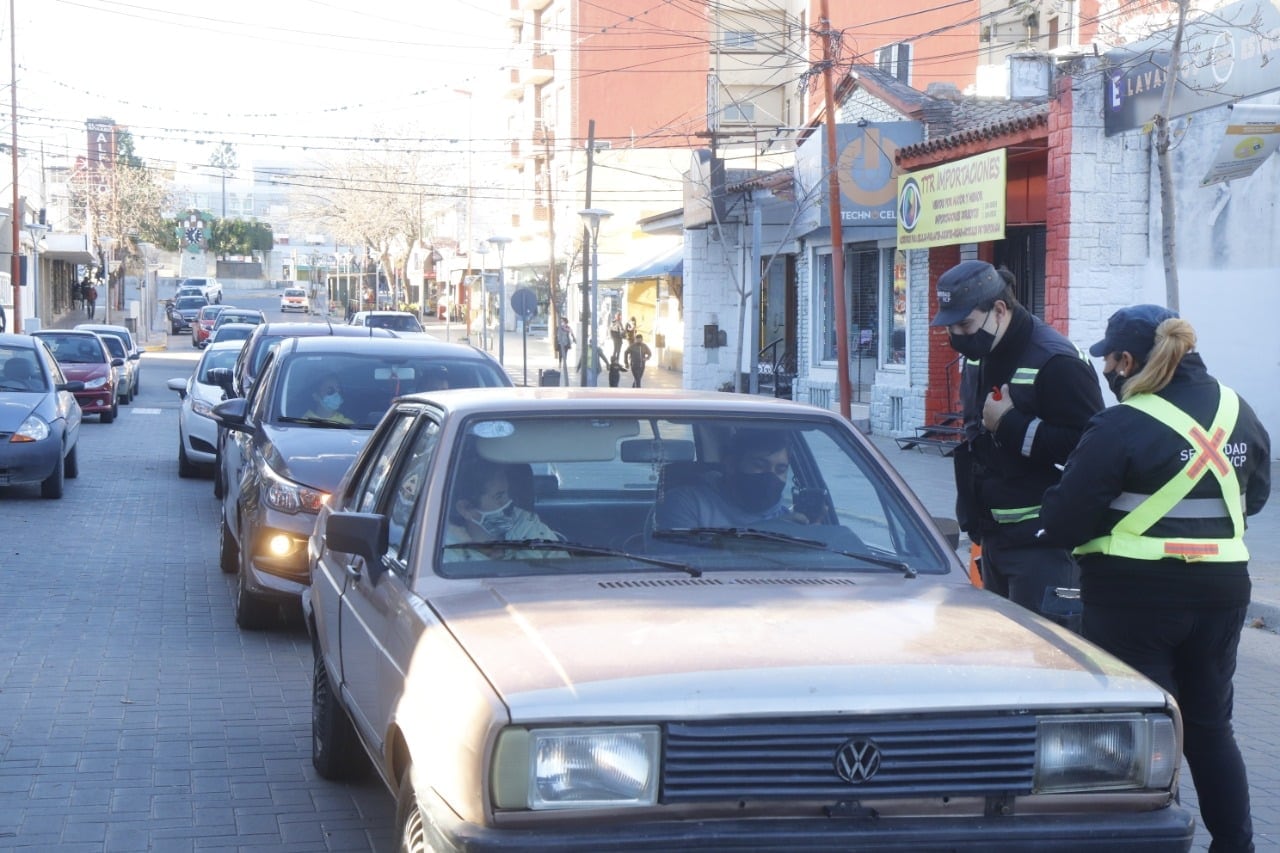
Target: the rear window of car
(115, 346)
(295, 291)
(74, 349)
(395, 322)
(186, 303)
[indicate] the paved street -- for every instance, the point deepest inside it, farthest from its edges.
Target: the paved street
(135, 716)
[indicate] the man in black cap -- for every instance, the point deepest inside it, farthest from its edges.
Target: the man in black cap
(1026, 394)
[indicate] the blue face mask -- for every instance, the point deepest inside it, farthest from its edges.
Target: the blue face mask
(332, 401)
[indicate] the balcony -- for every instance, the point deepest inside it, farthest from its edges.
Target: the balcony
(544, 135)
(515, 85)
(543, 68)
(517, 156)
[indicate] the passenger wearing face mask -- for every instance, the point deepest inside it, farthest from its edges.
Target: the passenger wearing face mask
(1155, 497)
(1026, 394)
(326, 400)
(749, 491)
(483, 511)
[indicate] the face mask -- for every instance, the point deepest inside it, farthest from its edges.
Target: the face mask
(496, 522)
(757, 492)
(977, 345)
(1115, 381)
(332, 401)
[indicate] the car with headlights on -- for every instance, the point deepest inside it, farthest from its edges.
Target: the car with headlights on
(84, 356)
(39, 417)
(290, 441)
(184, 313)
(574, 620)
(197, 431)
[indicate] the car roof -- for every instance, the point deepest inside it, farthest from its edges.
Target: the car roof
(300, 328)
(390, 345)
(102, 327)
(219, 346)
(83, 333)
(17, 341)
(572, 401)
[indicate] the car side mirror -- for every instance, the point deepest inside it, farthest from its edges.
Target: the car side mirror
(222, 377)
(363, 534)
(950, 530)
(72, 386)
(179, 385)
(134, 356)
(230, 414)
(117, 362)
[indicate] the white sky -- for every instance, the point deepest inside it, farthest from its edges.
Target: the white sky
(268, 76)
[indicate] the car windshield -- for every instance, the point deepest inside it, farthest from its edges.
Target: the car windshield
(215, 358)
(355, 390)
(20, 370)
(294, 292)
(115, 346)
(585, 493)
(226, 317)
(74, 349)
(394, 322)
(233, 332)
(191, 303)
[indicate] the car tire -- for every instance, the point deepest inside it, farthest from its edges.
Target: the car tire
(110, 414)
(228, 551)
(335, 750)
(71, 463)
(410, 827)
(186, 468)
(252, 613)
(52, 485)
(127, 398)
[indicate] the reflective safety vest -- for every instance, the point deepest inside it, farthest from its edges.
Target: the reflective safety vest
(1128, 537)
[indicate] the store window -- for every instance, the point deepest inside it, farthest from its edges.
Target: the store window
(894, 339)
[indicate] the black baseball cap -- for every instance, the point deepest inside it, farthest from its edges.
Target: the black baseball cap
(1132, 330)
(963, 288)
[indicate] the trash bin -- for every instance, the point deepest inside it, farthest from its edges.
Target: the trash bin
(549, 378)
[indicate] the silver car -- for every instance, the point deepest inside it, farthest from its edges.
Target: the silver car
(197, 430)
(576, 620)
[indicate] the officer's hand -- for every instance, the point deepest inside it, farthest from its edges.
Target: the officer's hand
(995, 407)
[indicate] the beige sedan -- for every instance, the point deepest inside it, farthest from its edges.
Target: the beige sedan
(564, 619)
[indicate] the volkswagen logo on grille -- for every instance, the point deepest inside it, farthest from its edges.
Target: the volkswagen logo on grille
(857, 760)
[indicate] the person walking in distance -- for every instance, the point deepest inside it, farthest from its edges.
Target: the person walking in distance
(616, 333)
(564, 340)
(1154, 500)
(637, 354)
(90, 300)
(1026, 393)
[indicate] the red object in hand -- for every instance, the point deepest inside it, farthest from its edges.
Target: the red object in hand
(995, 393)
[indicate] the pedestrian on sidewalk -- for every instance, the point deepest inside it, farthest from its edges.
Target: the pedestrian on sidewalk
(637, 355)
(564, 340)
(629, 331)
(1027, 394)
(616, 333)
(90, 300)
(1154, 497)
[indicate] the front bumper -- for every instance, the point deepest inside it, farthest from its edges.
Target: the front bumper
(1160, 831)
(29, 461)
(286, 577)
(96, 402)
(199, 438)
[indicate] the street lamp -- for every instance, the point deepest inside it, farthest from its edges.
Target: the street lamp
(592, 217)
(482, 250)
(37, 231)
(501, 243)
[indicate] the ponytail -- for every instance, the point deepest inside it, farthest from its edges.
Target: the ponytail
(1175, 338)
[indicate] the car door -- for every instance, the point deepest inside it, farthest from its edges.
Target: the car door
(68, 408)
(378, 628)
(238, 449)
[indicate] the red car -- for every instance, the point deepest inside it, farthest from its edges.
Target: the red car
(202, 326)
(83, 356)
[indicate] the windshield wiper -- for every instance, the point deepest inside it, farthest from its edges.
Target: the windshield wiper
(576, 548)
(773, 536)
(319, 422)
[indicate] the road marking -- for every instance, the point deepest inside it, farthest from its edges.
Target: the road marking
(145, 411)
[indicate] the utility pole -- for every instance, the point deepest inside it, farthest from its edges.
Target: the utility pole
(837, 229)
(584, 340)
(553, 322)
(15, 263)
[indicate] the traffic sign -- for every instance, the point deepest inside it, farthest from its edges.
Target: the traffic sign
(524, 302)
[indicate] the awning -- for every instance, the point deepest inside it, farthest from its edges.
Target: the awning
(72, 248)
(669, 263)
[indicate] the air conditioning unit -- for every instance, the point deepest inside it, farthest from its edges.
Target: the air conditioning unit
(895, 60)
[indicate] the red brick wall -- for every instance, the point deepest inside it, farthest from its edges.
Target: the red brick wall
(1058, 212)
(942, 368)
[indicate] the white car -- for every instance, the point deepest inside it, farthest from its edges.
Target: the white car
(197, 431)
(400, 322)
(210, 287)
(295, 299)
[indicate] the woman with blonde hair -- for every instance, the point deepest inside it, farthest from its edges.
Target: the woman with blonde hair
(1153, 499)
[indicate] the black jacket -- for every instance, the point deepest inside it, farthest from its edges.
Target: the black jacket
(1125, 450)
(1012, 467)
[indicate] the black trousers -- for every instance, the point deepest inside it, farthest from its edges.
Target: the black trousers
(1022, 573)
(1192, 654)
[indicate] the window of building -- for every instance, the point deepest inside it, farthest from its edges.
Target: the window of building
(893, 338)
(738, 40)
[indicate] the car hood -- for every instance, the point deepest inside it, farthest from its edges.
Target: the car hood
(313, 456)
(15, 406)
(660, 647)
(85, 372)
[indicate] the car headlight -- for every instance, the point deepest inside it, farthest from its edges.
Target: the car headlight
(32, 429)
(1094, 752)
(200, 407)
(576, 768)
(287, 496)
(94, 384)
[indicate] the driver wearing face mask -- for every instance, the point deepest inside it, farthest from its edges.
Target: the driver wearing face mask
(1026, 395)
(483, 511)
(749, 491)
(326, 400)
